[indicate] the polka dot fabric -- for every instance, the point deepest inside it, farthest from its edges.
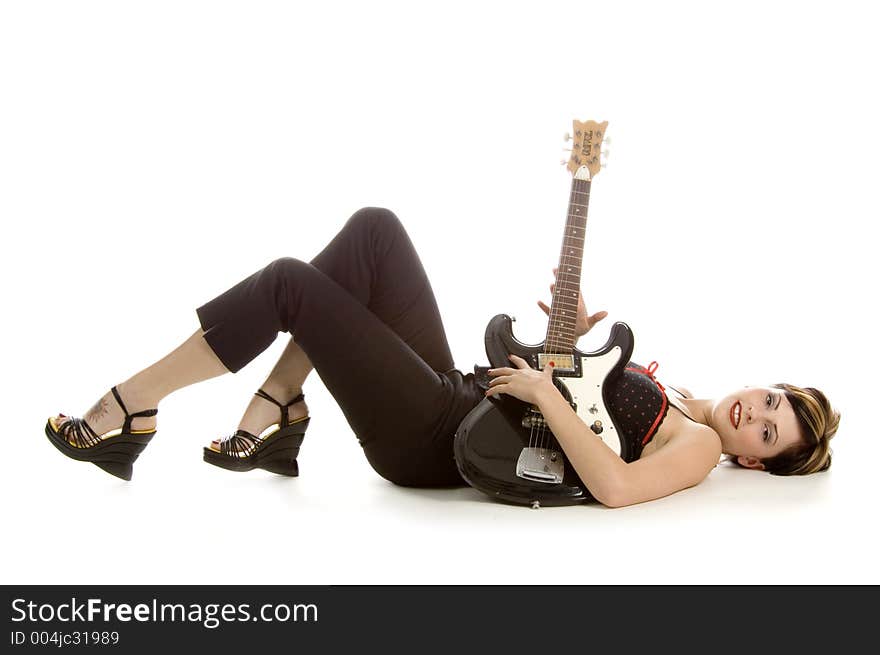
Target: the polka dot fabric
(638, 405)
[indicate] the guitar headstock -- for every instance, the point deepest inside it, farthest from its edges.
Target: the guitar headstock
(586, 146)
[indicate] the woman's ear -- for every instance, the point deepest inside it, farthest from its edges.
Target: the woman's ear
(750, 462)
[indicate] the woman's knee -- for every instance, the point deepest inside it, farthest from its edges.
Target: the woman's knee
(291, 267)
(377, 218)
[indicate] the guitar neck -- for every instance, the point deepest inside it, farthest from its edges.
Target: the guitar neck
(561, 336)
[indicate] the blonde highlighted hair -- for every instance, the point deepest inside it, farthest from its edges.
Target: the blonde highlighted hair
(818, 422)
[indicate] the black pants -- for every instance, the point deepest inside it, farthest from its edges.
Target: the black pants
(364, 313)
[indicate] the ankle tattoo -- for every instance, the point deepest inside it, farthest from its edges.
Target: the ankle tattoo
(99, 410)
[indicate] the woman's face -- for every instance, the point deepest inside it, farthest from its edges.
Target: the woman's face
(755, 423)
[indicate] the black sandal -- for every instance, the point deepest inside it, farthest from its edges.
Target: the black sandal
(114, 453)
(276, 452)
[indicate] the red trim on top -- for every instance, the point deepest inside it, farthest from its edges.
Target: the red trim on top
(653, 366)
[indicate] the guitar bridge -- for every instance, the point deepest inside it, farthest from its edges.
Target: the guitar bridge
(540, 465)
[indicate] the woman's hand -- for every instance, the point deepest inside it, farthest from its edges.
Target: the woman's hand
(523, 382)
(584, 322)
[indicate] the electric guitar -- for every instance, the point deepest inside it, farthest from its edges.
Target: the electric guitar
(503, 447)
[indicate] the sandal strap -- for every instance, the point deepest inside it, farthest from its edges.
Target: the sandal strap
(126, 426)
(83, 435)
(78, 432)
(285, 417)
(119, 399)
(239, 444)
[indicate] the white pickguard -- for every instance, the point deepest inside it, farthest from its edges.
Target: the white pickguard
(586, 393)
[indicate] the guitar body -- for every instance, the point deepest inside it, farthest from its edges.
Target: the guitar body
(503, 447)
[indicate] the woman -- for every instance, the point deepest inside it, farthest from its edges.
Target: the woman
(363, 314)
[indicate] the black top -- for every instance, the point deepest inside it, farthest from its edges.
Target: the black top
(638, 405)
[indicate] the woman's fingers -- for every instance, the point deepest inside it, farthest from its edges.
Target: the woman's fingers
(519, 362)
(598, 316)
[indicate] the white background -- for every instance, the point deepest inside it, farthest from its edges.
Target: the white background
(152, 154)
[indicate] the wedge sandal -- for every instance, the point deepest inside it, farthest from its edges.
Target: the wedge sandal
(115, 453)
(275, 452)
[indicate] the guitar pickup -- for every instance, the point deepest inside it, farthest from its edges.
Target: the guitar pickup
(560, 362)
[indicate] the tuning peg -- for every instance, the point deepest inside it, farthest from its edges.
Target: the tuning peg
(563, 162)
(607, 140)
(567, 137)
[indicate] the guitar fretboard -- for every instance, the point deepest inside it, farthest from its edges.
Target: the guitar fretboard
(563, 309)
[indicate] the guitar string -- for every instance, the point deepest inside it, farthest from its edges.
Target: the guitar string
(565, 277)
(539, 429)
(551, 343)
(584, 190)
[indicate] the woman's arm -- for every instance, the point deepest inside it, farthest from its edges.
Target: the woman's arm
(598, 466)
(683, 462)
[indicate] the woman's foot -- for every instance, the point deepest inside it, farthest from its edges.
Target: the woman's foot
(262, 414)
(106, 414)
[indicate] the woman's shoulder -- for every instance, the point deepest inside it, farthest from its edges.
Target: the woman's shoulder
(681, 391)
(684, 432)
(696, 436)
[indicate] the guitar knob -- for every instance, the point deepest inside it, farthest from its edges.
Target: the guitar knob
(536, 504)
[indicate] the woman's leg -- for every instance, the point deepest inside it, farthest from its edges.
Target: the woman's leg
(283, 383)
(392, 398)
(373, 258)
(191, 362)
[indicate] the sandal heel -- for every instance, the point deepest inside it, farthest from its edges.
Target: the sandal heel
(279, 456)
(118, 458)
(287, 467)
(119, 469)
(286, 443)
